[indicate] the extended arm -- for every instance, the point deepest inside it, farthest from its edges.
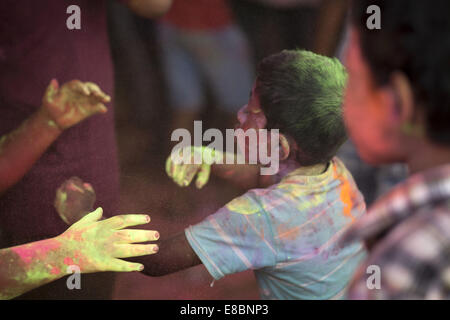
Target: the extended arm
(174, 254)
(90, 244)
(245, 176)
(20, 149)
(29, 266)
(61, 109)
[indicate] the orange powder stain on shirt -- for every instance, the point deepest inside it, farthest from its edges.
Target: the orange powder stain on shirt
(346, 195)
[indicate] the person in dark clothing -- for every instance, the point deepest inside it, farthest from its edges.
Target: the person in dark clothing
(36, 46)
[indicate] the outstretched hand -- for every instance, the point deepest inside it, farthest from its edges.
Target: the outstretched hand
(183, 172)
(73, 102)
(95, 245)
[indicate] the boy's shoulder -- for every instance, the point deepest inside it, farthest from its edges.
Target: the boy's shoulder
(294, 190)
(335, 176)
(249, 203)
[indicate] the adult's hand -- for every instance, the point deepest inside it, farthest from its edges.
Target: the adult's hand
(90, 244)
(95, 245)
(61, 108)
(73, 102)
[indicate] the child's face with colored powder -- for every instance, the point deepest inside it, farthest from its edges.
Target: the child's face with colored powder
(250, 116)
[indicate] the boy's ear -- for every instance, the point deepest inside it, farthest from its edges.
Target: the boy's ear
(404, 111)
(284, 147)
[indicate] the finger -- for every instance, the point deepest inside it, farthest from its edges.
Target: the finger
(135, 236)
(191, 171)
(179, 174)
(96, 91)
(207, 155)
(169, 166)
(187, 171)
(127, 220)
(94, 107)
(79, 87)
(125, 266)
(176, 170)
(134, 250)
(91, 217)
(51, 90)
(100, 108)
(174, 160)
(203, 176)
(187, 175)
(178, 160)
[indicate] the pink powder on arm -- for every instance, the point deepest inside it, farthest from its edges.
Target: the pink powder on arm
(35, 250)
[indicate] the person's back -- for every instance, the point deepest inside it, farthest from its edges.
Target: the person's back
(308, 224)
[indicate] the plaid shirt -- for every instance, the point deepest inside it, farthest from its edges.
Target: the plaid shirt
(407, 233)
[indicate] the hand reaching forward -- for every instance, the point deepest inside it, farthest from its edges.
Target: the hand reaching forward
(183, 172)
(95, 245)
(74, 102)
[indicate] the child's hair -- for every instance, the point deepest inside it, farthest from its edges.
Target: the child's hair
(414, 39)
(301, 95)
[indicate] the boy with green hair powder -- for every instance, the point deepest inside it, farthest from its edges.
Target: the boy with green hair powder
(287, 226)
